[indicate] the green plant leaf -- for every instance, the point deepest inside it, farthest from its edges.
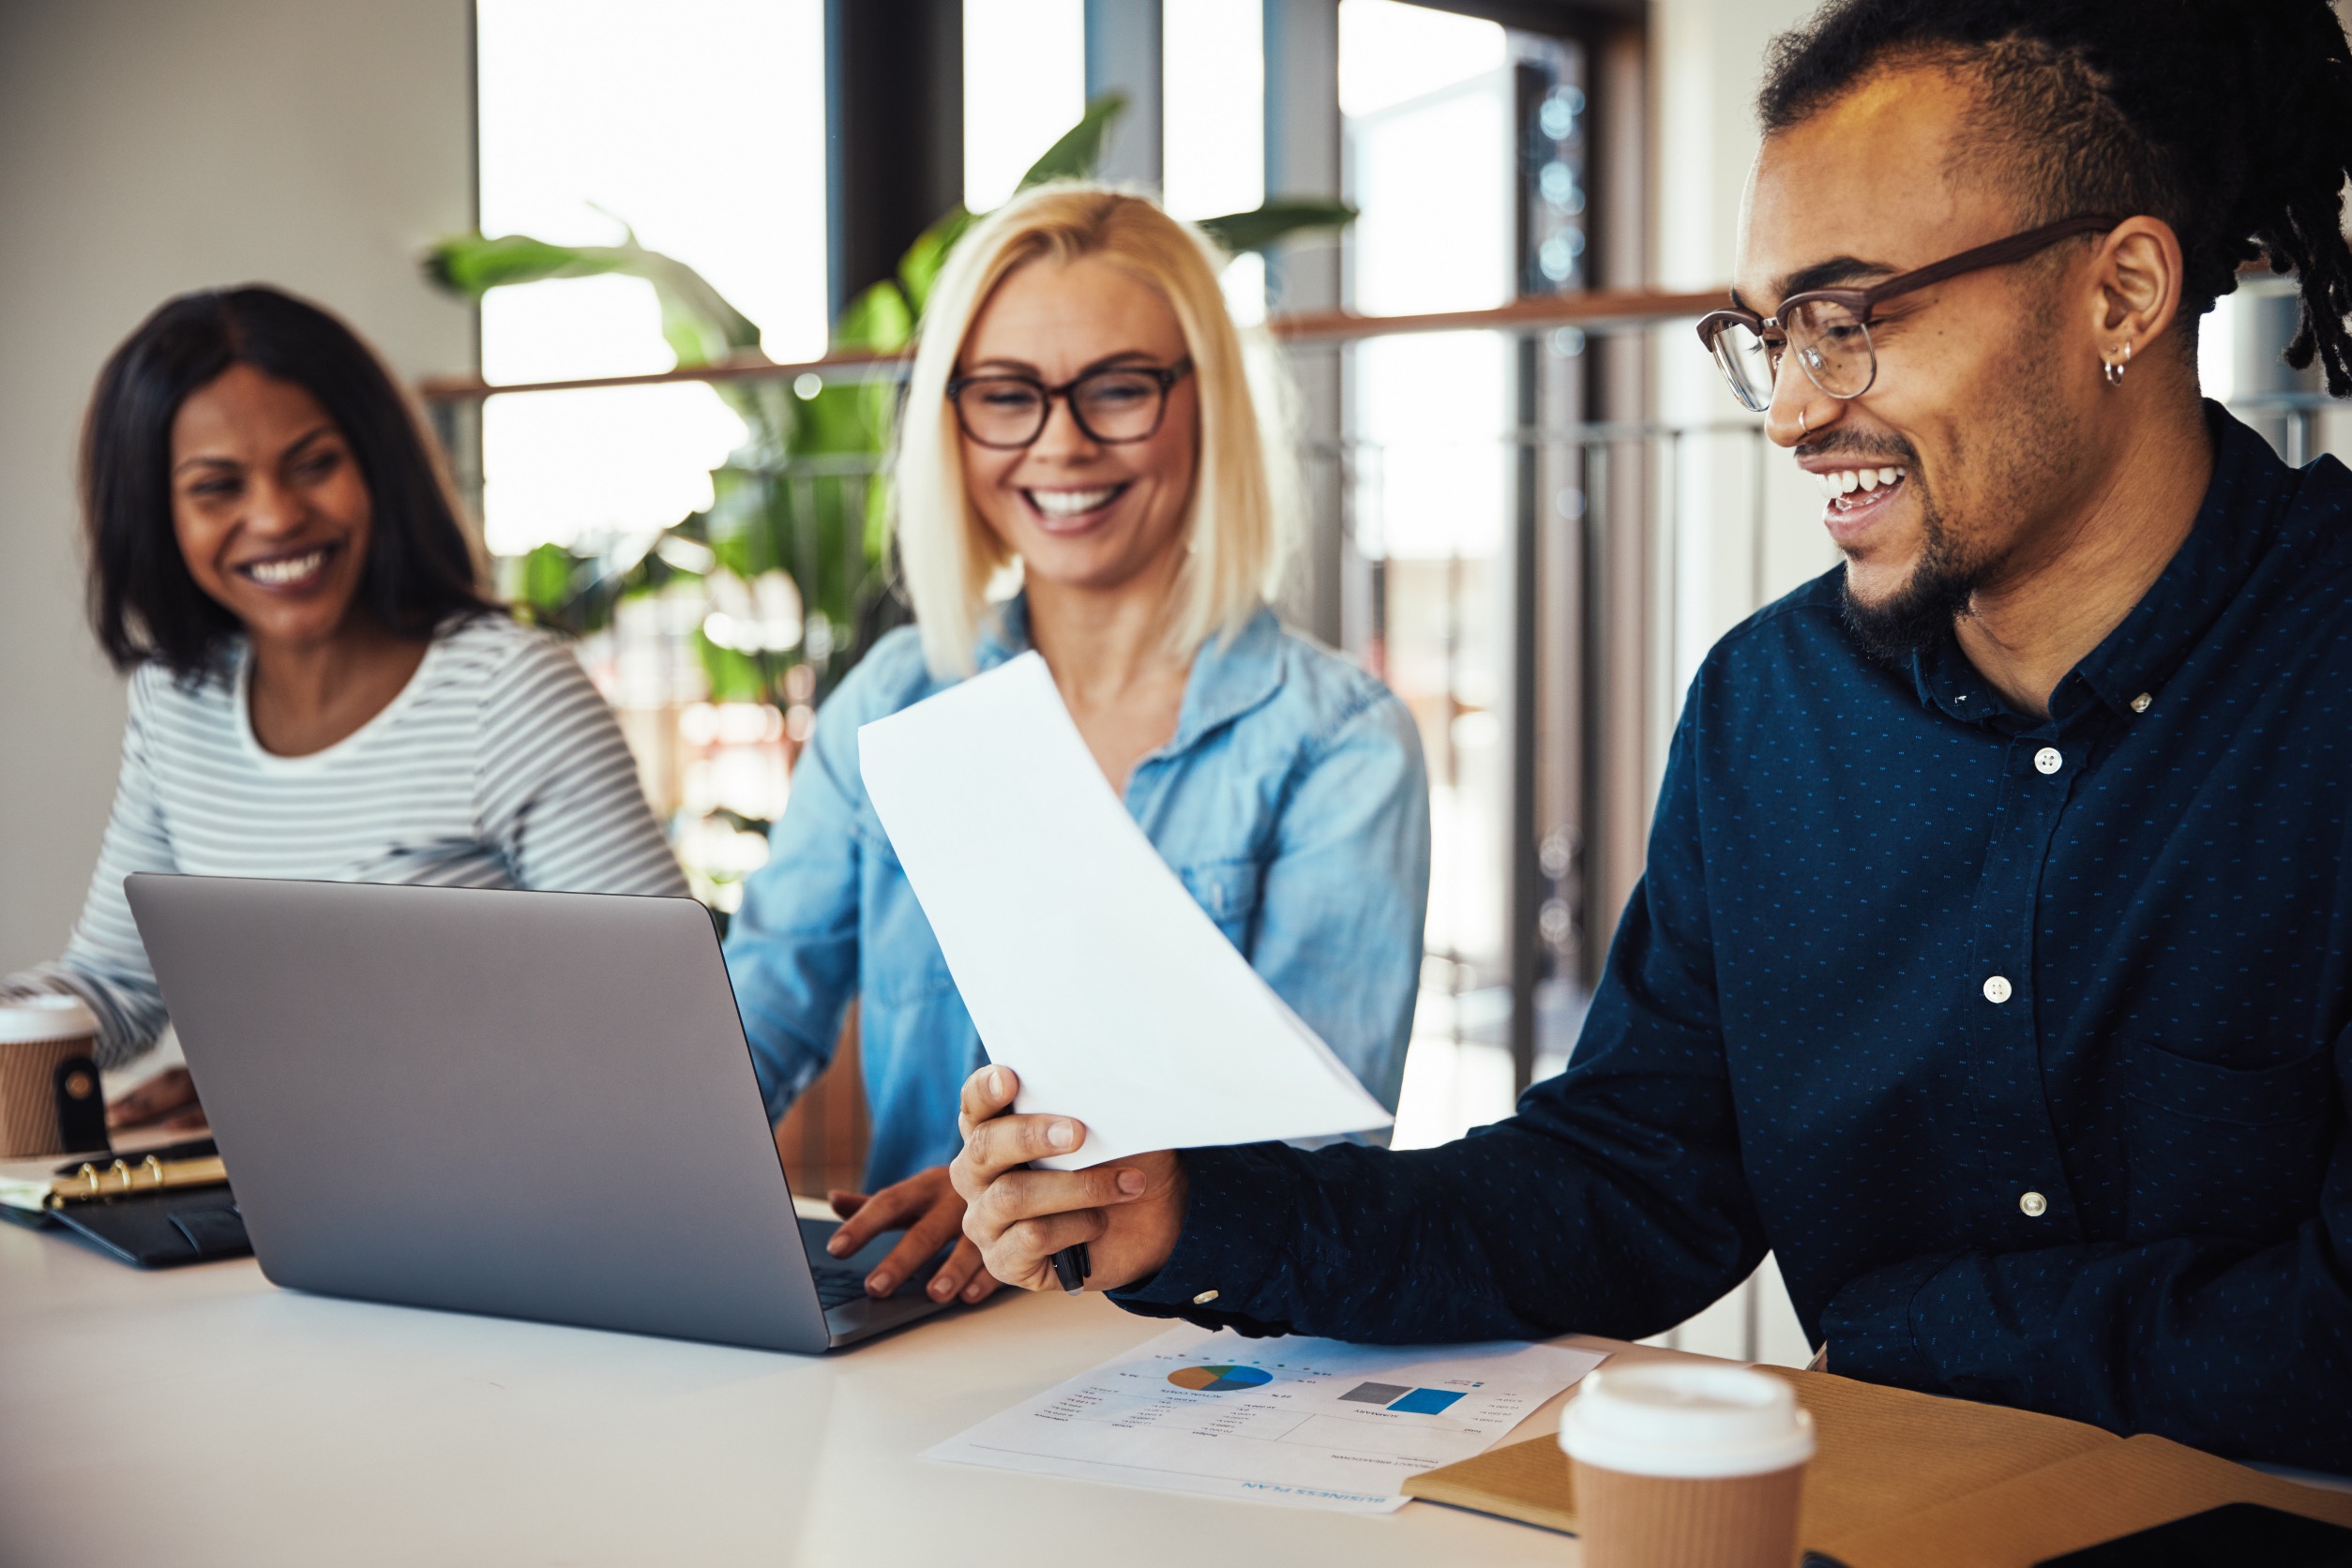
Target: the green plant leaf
(472, 264)
(734, 677)
(1074, 156)
(543, 583)
(824, 528)
(918, 269)
(697, 321)
(878, 320)
(848, 418)
(1277, 221)
(699, 324)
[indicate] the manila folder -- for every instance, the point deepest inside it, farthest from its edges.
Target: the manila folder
(1904, 1478)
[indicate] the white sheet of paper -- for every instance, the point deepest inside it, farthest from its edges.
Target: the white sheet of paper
(1310, 1423)
(1087, 966)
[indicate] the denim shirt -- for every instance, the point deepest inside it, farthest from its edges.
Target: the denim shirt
(1291, 801)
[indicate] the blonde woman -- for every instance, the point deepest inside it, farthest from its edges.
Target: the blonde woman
(1078, 420)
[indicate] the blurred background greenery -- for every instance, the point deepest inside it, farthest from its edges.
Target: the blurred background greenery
(793, 552)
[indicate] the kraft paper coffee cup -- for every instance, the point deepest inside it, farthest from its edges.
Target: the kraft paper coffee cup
(1686, 1466)
(38, 1035)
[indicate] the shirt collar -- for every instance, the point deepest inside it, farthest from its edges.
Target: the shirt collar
(1003, 633)
(2234, 526)
(1230, 674)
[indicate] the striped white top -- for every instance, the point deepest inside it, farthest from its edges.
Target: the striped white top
(497, 765)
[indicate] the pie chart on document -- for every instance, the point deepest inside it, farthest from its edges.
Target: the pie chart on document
(1218, 1379)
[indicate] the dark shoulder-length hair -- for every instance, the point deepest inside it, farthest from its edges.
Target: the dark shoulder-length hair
(420, 572)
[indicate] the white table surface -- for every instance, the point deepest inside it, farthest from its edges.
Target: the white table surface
(202, 1415)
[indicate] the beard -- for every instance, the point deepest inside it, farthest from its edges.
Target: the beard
(1920, 613)
(2029, 444)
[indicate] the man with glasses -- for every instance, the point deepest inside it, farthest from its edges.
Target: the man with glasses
(1993, 964)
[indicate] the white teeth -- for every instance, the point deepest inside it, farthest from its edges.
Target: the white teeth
(292, 569)
(1067, 504)
(1845, 481)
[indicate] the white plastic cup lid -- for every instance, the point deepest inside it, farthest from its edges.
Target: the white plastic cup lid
(1686, 1421)
(27, 1019)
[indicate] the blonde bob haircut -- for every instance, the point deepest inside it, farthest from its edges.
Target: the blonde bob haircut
(1238, 523)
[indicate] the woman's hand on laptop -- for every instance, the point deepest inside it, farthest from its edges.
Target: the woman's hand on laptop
(1126, 1212)
(166, 1100)
(932, 1214)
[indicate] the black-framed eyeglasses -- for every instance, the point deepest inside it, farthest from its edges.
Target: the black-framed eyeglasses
(1830, 328)
(1115, 405)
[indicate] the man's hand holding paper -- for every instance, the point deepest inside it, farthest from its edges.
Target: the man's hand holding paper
(1126, 1212)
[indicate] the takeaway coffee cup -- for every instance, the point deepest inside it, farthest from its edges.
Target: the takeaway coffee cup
(49, 1084)
(1685, 1465)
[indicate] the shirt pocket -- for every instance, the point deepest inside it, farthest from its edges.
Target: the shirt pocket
(2215, 1151)
(1227, 891)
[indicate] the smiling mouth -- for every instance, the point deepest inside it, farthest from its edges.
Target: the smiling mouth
(290, 573)
(1062, 508)
(1849, 489)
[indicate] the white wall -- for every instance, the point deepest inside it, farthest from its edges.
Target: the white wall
(1707, 59)
(146, 149)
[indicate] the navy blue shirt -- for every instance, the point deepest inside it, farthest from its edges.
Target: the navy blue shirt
(2024, 1043)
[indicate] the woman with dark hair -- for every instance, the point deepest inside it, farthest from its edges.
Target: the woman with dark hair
(320, 688)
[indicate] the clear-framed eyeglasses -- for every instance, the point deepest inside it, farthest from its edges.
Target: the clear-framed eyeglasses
(1829, 329)
(1115, 405)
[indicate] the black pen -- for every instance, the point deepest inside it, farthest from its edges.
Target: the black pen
(1071, 1266)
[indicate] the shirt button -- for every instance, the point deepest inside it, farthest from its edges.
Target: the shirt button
(2033, 1205)
(1996, 989)
(2139, 703)
(2048, 760)
(1207, 1296)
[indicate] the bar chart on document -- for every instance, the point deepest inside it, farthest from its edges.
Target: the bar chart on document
(1310, 1423)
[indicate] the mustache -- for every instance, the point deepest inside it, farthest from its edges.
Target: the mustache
(1882, 451)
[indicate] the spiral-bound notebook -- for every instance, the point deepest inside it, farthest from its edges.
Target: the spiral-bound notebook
(153, 1209)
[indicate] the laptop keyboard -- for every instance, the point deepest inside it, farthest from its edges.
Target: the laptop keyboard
(838, 1287)
(837, 1284)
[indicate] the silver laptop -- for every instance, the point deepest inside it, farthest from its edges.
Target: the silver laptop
(535, 1105)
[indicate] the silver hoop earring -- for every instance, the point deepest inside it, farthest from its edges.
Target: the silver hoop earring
(2113, 369)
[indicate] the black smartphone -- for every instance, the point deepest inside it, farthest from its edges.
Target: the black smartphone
(2236, 1535)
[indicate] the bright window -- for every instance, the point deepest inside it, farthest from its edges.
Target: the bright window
(700, 125)
(1213, 60)
(1024, 85)
(601, 114)
(1426, 99)
(1212, 65)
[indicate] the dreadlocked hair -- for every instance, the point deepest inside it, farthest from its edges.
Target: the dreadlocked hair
(2231, 120)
